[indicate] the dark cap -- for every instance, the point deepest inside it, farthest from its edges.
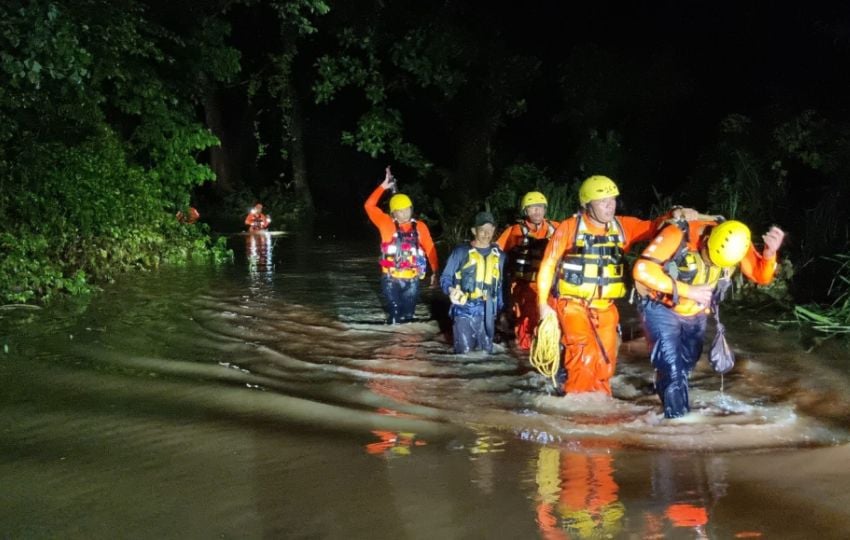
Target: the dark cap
(482, 218)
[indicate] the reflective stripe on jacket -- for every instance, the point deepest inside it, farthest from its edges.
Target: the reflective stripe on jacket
(592, 269)
(402, 257)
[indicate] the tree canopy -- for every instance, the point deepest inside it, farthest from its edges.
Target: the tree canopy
(116, 115)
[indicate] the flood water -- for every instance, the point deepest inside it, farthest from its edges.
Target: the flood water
(266, 399)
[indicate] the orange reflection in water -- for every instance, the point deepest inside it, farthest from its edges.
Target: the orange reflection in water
(577, 495)
(393, 443)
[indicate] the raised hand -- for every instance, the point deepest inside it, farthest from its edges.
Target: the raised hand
(388, 179)
(772, 240)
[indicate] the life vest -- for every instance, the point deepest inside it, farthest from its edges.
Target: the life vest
(479, 276)
(593, 268)
(526, 256)
(688, 266)
(402, 257)
(257, 221)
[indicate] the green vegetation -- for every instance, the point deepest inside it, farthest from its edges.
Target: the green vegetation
(99, 143)
(114, 116)
(834, 318)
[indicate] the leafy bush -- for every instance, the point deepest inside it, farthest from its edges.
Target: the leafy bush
(99, 141)
(833, 318)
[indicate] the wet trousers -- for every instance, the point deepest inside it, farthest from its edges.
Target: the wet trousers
(676, 343)
(525, 311)
(470, 328)
(590, 337)
(399, 298)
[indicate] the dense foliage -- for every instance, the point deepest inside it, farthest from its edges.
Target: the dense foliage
(99, 140)
(115, 115)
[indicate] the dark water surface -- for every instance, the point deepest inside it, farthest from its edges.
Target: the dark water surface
(266, 400)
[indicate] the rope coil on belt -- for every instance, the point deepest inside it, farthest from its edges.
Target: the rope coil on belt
(545, 354)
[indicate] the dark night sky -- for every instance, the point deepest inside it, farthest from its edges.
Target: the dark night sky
(755, 58)
(740, 57)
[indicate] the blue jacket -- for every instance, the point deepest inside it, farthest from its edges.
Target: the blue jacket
(457, 259)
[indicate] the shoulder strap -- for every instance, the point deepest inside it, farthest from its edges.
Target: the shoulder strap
(620, 229)
(523, 228)
(578, 228)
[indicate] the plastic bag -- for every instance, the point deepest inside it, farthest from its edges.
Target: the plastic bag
(720, 355)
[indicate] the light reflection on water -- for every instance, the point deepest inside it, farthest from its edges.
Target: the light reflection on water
(267, 399)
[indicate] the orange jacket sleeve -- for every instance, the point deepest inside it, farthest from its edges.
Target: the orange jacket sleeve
(427, 244)
(510, 238)
(757, 267)
(649, 268)
(640, 230)
(561, 240)
(381, 220)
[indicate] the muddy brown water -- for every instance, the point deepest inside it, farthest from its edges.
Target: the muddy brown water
(266, 399)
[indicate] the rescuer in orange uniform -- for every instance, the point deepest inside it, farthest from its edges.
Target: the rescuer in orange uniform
(584, 261)
(256, 220)
(524, 243)
(406, 246)
(677, 277)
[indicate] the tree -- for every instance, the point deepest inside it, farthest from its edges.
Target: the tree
(99, 140)
(438, 82)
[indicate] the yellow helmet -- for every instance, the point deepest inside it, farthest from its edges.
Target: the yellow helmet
(596, 187)
(533, 197)
(728, 243)
(400, 201)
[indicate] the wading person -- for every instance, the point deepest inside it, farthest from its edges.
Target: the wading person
(472, 278)
(256, 220)
(677, 277)
(584, 260)
(524, 243)
(406, 247)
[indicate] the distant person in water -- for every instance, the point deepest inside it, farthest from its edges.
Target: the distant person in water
(406, 251)
(472, 278)
(256, 220)
(677, 277)
(190, 217)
